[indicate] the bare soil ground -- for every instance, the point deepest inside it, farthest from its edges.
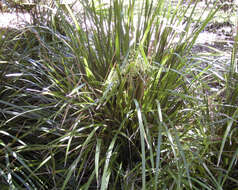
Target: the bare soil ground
(14, 20)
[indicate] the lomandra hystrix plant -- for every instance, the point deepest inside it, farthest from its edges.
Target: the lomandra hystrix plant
(106, 99)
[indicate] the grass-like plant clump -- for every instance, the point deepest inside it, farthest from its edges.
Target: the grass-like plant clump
(110, 96)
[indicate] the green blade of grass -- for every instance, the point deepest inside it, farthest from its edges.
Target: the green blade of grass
(228, 128)
(158, 150)
(97, 155)
(142, 141)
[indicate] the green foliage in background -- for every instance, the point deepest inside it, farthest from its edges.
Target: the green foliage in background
(110, 96)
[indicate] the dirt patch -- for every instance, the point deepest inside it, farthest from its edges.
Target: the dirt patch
(14, 20)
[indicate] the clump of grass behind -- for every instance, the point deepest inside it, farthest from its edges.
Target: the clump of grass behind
(109, 101)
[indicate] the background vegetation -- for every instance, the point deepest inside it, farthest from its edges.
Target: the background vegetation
(112, 95)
